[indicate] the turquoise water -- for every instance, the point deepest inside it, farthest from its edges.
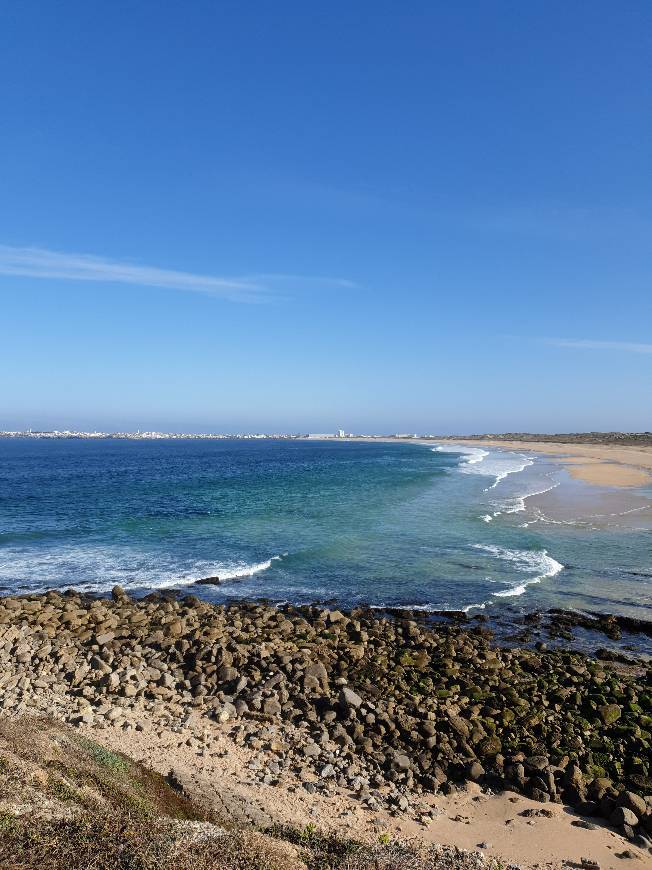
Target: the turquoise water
(380, 523)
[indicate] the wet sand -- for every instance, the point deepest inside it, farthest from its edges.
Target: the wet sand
(599, 464)
(592, 506)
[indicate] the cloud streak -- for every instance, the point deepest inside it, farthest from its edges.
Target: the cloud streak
(55, 265)
(591, 344)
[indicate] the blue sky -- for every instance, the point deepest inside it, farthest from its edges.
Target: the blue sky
(218, 216)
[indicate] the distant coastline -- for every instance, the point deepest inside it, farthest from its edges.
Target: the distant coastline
(623, 439)
(613, 459)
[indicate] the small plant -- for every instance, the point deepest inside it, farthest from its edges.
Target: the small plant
(7, 822)
(62, 790)
(385, 838)
(103, 756)
(308, 832)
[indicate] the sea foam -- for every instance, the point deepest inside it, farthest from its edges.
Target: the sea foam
(487, 463)
(535, 562)
(517, 503)
(131, 570)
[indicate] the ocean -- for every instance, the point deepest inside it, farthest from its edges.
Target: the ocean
(384, 524)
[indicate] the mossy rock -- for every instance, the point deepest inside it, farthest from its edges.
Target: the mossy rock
(490, 746)
(595, 771)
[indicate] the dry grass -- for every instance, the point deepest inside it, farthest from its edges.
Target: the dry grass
(104, 842)
(48, 770)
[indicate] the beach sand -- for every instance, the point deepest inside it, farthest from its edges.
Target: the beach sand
(216, 772)
(599, 464)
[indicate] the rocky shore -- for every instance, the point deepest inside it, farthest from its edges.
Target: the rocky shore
(388, 708)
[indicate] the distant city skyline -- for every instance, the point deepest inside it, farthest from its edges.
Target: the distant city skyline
(286, 217)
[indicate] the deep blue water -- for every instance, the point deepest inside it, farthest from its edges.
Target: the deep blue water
(379, 523)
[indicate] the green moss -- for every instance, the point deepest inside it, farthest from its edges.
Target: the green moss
(104, 757)
(62, 790)
(594, 771)
(7, 822)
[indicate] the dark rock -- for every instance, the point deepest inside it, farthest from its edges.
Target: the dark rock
(587, 808)
(633, 802)
(476, 771)
(610, 713)
(118, 594)
(537, 762)
(623, 816)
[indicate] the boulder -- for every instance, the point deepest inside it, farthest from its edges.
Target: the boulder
(349, 698)
(622, 816)
(609, 713)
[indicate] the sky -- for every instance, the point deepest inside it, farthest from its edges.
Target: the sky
(290, 216)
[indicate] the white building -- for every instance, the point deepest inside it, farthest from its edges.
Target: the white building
(340, 433)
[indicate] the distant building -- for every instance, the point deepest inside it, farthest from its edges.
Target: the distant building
(340, 433)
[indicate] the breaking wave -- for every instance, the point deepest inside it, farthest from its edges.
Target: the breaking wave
(536, 563)
(106, 567)
(487, 463)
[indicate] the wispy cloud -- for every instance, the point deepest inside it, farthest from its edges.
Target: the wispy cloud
(42, 263)
(591, 344)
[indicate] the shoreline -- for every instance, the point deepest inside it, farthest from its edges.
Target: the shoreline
(613, 478)
(560, 503)
(597, 464)
(607, 465)
(356, 723)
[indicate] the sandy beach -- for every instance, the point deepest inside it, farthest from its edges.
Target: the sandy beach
(218, 771)
(599, 464)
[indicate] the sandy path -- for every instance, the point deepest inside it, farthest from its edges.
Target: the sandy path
(215, 770)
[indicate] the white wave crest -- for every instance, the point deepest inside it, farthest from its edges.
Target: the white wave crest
(475, 607)
(474, 454)
(237, 573)
(517, 504)
(535, 562)
(496, 464)
(108, 566)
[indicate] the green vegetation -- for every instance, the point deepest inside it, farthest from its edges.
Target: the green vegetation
(104, 757)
